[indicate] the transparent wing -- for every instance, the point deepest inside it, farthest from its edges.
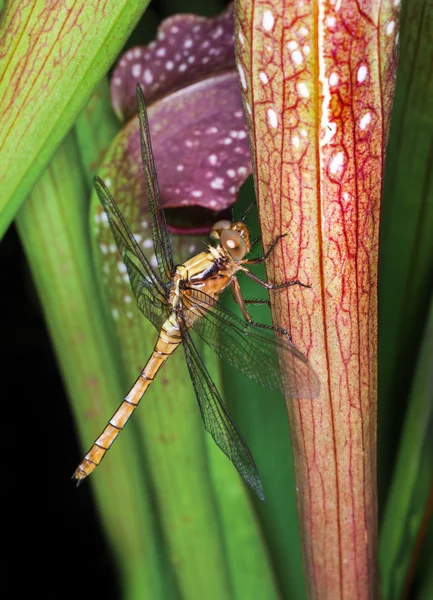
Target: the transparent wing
(262, 355)
(161, 240)
(147, 287)
(216, 418)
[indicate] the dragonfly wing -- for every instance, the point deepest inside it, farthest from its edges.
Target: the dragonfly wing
(216, 418)
(147, 287)
(161, 239)
(262, 355)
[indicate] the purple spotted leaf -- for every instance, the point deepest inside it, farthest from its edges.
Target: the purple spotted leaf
(198, 130)
(201, 152)
(187, 49)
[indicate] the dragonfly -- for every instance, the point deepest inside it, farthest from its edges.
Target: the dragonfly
(181, 299)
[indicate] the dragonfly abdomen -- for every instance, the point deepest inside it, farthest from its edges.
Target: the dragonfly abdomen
(167, 342)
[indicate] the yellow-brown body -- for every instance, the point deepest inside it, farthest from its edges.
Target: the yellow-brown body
(210, 272)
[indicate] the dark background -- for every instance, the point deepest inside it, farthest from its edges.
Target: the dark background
(51, 526)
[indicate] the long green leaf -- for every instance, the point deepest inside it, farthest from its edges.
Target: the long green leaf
(406, 244)
(412, 479)
(53, 227)
(52, 56)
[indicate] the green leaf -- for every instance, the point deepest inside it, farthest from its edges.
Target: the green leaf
(413, 476)
(52, 57)
(53, 227)
(406, 245)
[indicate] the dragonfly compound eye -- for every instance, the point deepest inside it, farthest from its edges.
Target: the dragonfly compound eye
(233, 243)
(218, 227)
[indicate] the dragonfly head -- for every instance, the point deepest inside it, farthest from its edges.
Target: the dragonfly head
(233, 237)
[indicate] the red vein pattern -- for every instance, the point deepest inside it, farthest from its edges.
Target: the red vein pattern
(317, 80)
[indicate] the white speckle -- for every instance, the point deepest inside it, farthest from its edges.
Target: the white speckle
(197, 193)
(366, 120)
(127, 299)
(152, 45)
(160, 52)
(153, 261)
(112, 248)
(106, 268)
(333, 79)
(191, 59)
(103, 248)
(303, 31)
(212, 203)
(137, 237)
(189, 143)
(188, 43)
(303, 90)
(115, 313)
(174, 29)
(212, 130)
(336, 163)
(205, 60)
(304, 133)
(272, 118)
(227, 141)
(104, 219)
(241, 38)
(242, 77)
(242, 135)
(248, 107)
(144, 224)
(390, 27)
(121, 267)
(191, 249)
(292, 45)
(306, 49)
(148, 77)
(137, 52)
(169, 65)
(232, 189)
(295, 141)
(148, 243)
(231, 173)
(126, 278)
(330, 131)
(238, 114)
(217, 33)
(180, 168)
(213, 159)
(268, 20)
(182, 68)
(263, 77)
(108, 182)
(346, 196)
(161, 35)
(136, 70)
(362, 73)
(396, 2)
(242, 171)
(217, 183)
(117, 80)
(297, 57)
(129, 314)
(331, 21)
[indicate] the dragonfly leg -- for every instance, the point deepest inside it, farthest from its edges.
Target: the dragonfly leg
(255, 261)
(270, 286)
(256, 301)
(237, 295)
